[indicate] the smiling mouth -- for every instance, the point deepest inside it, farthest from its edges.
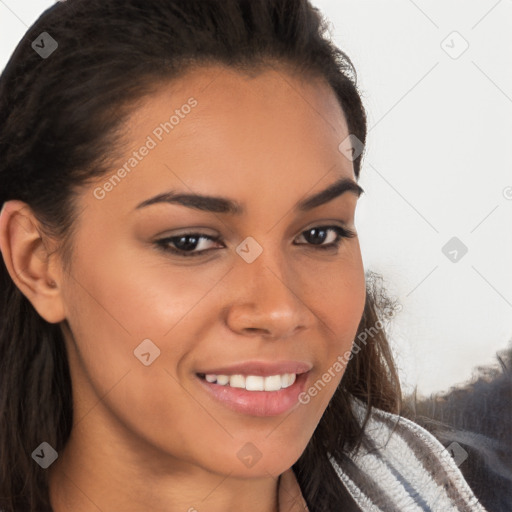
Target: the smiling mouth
(255, 395)
(252, 382)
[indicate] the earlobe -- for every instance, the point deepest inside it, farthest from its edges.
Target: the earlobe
(28, 261)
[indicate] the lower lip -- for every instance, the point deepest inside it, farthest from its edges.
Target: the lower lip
(257, 403)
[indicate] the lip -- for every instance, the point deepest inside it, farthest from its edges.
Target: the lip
(256, 403)
(260, 368)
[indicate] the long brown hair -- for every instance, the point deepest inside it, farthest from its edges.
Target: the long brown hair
(60, 117)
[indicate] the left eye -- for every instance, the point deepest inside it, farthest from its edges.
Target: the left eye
(317, 236)
(186, 245)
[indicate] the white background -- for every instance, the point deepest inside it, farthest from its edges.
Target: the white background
(437, 165)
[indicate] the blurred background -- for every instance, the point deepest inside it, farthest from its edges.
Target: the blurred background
(436, 218)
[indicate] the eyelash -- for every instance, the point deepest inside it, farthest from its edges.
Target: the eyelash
(163, 243)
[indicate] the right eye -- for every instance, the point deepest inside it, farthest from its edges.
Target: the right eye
(185, 244)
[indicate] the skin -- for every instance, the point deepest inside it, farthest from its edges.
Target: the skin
(149, 437)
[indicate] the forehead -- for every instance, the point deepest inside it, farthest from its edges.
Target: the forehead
(232, 105)
(218, 131)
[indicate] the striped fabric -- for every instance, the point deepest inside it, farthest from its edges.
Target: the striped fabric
(402, 468)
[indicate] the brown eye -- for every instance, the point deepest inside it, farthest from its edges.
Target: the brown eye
(185, 244)
(317, 236)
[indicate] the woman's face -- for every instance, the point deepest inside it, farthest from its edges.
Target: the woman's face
(146, 320)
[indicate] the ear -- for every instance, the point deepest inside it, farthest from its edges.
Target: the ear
(30, 264)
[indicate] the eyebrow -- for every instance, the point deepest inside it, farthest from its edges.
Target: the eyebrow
(224, 205)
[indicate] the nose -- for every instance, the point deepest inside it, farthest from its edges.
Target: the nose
(268, 301)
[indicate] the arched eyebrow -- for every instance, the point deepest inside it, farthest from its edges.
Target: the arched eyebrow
(217, 204)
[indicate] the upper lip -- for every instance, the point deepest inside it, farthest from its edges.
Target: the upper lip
(261, 368)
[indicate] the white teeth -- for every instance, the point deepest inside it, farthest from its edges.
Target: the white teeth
(273, 383)
(237, 381)
(288, 380)
(254, 382)
(222, 379)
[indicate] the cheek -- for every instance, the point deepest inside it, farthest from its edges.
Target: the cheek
(116, 298)
(131, 294)
(111, 310)
(336, 293)
(337, 297)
